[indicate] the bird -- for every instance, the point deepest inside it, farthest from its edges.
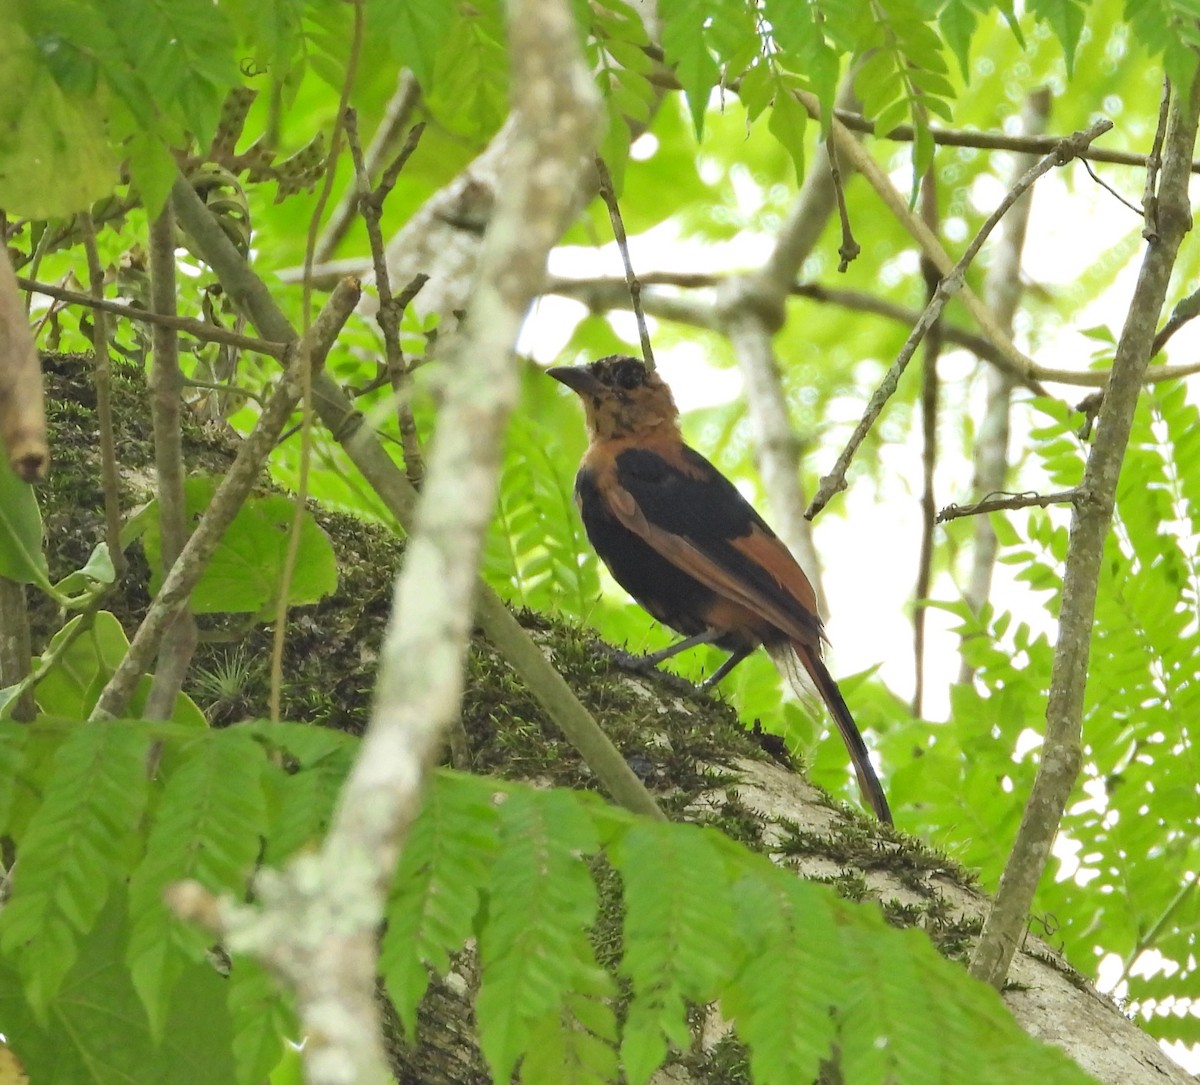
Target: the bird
(681, 539)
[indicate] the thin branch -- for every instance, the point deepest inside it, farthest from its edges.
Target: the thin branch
(292, 553)
(1185, 311)
(396, 117)
(1154, 165)
(950, 285)
(1061, 753)
(199, 329)
(631, 280)
(1001, 292)
(849, 249)
(1110, 190)
(102, 377)
(929, 449)
(998, 501)
(244, 473)
(606, 293)
(994, 141)
(166, 408)
(391, 309)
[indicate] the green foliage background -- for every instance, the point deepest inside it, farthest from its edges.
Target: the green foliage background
(110, 92)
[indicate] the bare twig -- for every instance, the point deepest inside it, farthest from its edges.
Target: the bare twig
(1061, 753)
(279, 634)
(997, 501)
(849, 249)
(391, 309)
(396, 117)
(102, 377)
(1154, 164)
(951, 284)
(1185, 311)
(994, 141)
(631, 280)
(1001, 293)
(166, 407)
(245, 471)
(929, 449)
(1110, 190)
(200, 329)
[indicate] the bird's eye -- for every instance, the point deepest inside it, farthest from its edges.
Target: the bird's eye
(629, 376)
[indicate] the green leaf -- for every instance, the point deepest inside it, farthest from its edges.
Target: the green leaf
(677, 918)
(21, 556)
(445, 867)
(781, 998)
(541, 897)
(303, 800)
(576, 1043)
(417, 30)
(97, 570)
(72, 685)
(244, 573)
(93, 1031)
(1066, 18)
(683, 41)
(787, 123)
(262, 1021)
(958, 21)
(81, 839)
(208, 827)
(54, 159)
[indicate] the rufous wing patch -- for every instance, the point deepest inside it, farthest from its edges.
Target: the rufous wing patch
(686, 556)
(771, 555)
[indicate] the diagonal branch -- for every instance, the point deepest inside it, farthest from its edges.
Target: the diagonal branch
(1001, 291)
(953, 283)
(749, 310)
(246, 470)
(1090, 522)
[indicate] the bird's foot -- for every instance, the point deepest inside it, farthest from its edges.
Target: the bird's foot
(645, 665)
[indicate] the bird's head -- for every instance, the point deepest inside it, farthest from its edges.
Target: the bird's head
(621, 398)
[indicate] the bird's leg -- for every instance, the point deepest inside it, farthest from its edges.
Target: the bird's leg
(643, 664)
(734, 659)
(655, 658)
(651, 661)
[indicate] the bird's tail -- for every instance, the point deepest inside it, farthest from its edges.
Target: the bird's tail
(800, 665)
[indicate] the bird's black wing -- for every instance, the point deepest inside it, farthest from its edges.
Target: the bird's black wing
(692, 515)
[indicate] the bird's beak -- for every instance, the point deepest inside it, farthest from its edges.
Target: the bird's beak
(576, 377)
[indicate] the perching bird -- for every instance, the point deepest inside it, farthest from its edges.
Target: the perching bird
(677, 535)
